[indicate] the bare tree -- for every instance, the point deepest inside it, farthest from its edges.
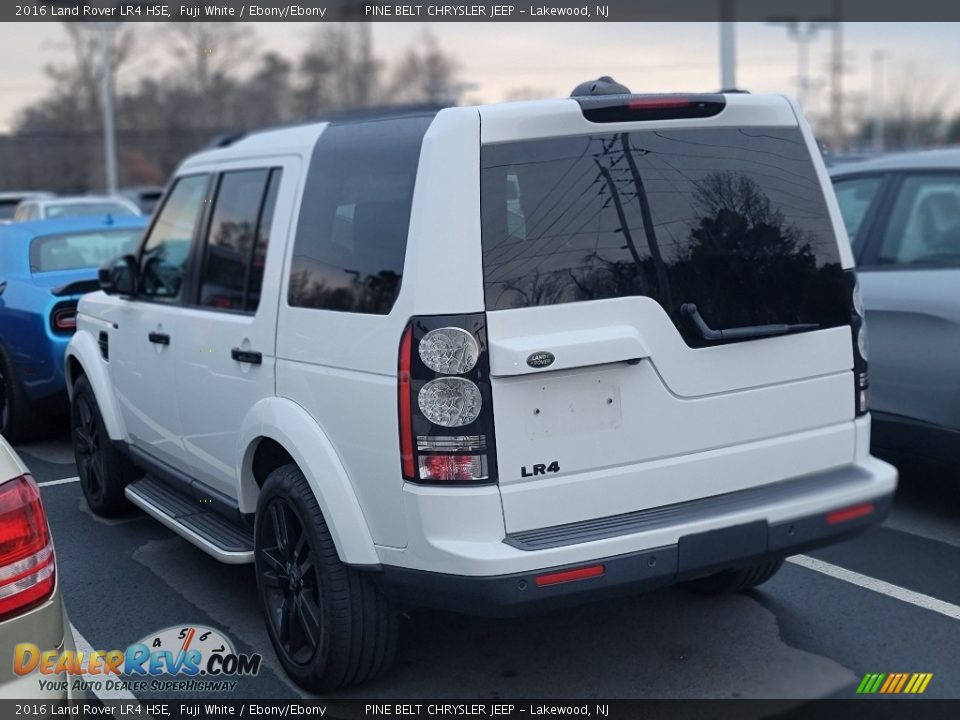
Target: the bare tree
(205, 51)
(339, 71)
(425, 73)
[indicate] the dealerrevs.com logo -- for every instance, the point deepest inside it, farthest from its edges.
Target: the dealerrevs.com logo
(186, 658)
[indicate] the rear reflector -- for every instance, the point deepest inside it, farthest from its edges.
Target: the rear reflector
(569, 575)
(633, 108)
(458, 468)
(850, 513)
(403, 397)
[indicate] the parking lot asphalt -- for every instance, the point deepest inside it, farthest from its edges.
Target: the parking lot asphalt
(886, 601)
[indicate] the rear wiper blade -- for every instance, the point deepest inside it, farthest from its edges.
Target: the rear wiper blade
(689, 310)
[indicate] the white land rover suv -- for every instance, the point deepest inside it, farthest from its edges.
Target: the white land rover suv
(486, 358)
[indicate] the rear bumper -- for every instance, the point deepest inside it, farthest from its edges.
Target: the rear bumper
(462, 559)
(693, 556)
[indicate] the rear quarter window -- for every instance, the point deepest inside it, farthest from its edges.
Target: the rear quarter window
(732, 220)
(352, 232)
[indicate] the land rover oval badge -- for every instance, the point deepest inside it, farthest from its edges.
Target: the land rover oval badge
(540, 359)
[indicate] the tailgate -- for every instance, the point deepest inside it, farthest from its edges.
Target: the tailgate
(651, 421)
(668, 312)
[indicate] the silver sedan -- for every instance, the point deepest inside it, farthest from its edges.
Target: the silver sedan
(902, 213)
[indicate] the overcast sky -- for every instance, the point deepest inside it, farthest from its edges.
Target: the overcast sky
(554, 57)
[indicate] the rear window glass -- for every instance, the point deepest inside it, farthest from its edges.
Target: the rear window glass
(64, 210)
(7, 208)
(71, 251)
(731, 220)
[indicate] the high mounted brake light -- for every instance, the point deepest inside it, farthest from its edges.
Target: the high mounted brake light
(444, 401)
(633, 108)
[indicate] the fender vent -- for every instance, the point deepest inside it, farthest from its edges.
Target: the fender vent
(104, 342)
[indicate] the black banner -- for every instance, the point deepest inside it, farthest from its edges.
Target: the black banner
(854, 709)
(504, 11)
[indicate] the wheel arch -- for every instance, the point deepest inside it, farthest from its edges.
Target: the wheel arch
(277, 429)
(83, 358)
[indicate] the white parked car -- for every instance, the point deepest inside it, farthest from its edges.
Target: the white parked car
(74, 206)
(31, 605)
(487, 358)
(10, 200)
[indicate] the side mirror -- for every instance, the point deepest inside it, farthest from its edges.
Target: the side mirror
(119, 276)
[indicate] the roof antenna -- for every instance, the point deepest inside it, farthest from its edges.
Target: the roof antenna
(605, 85)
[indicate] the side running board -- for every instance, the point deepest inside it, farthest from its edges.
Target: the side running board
(216, 536)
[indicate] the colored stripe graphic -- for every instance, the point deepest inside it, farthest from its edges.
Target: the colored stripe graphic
(894, 683)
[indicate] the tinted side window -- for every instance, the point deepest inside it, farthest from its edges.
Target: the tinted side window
(263, 240)
(164, 258)
(855, 196)
(924, 225)
(352, 232)
(232, 238)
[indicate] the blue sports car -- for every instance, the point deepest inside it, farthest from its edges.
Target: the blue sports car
(45, 266)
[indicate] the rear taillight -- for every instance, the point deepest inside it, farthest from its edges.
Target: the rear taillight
(633, 108)
(858, 329)
(444, 401)
(63, 319)
(27, 567)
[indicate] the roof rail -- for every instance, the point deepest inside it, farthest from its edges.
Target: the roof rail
(380, 112)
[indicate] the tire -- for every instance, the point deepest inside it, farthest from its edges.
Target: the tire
(104, 472)
(17, 413)
(328, 623)
(735, 580)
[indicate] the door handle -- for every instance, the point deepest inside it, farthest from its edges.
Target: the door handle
(246, 356)
(159, 338)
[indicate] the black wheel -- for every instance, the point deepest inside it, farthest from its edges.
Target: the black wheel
(17, 414)
(735, 580)
(328, 623)
(104, 472)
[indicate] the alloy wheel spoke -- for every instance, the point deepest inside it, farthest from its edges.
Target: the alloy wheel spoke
(309, 618)
(276, 566)
(283, 622)
(82, 441)
(281, 530)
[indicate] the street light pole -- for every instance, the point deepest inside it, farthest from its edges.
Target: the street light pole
(106, 101)
(879, 111)
(802, 33)
(728, 47)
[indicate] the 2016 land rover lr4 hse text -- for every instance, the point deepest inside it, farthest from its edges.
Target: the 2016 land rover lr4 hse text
(486, 358)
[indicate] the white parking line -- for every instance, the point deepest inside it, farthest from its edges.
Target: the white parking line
(884, 588)
(59, 482)
(87, 649)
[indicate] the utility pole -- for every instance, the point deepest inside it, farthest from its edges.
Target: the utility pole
(879, 111)
(802, 33)
(728, 47)
(106, 101)
(836, 77)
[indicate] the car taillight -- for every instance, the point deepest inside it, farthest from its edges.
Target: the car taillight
(858, 329)
(27, 566)
(632, 108)
(444, 401)
(64, 318)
